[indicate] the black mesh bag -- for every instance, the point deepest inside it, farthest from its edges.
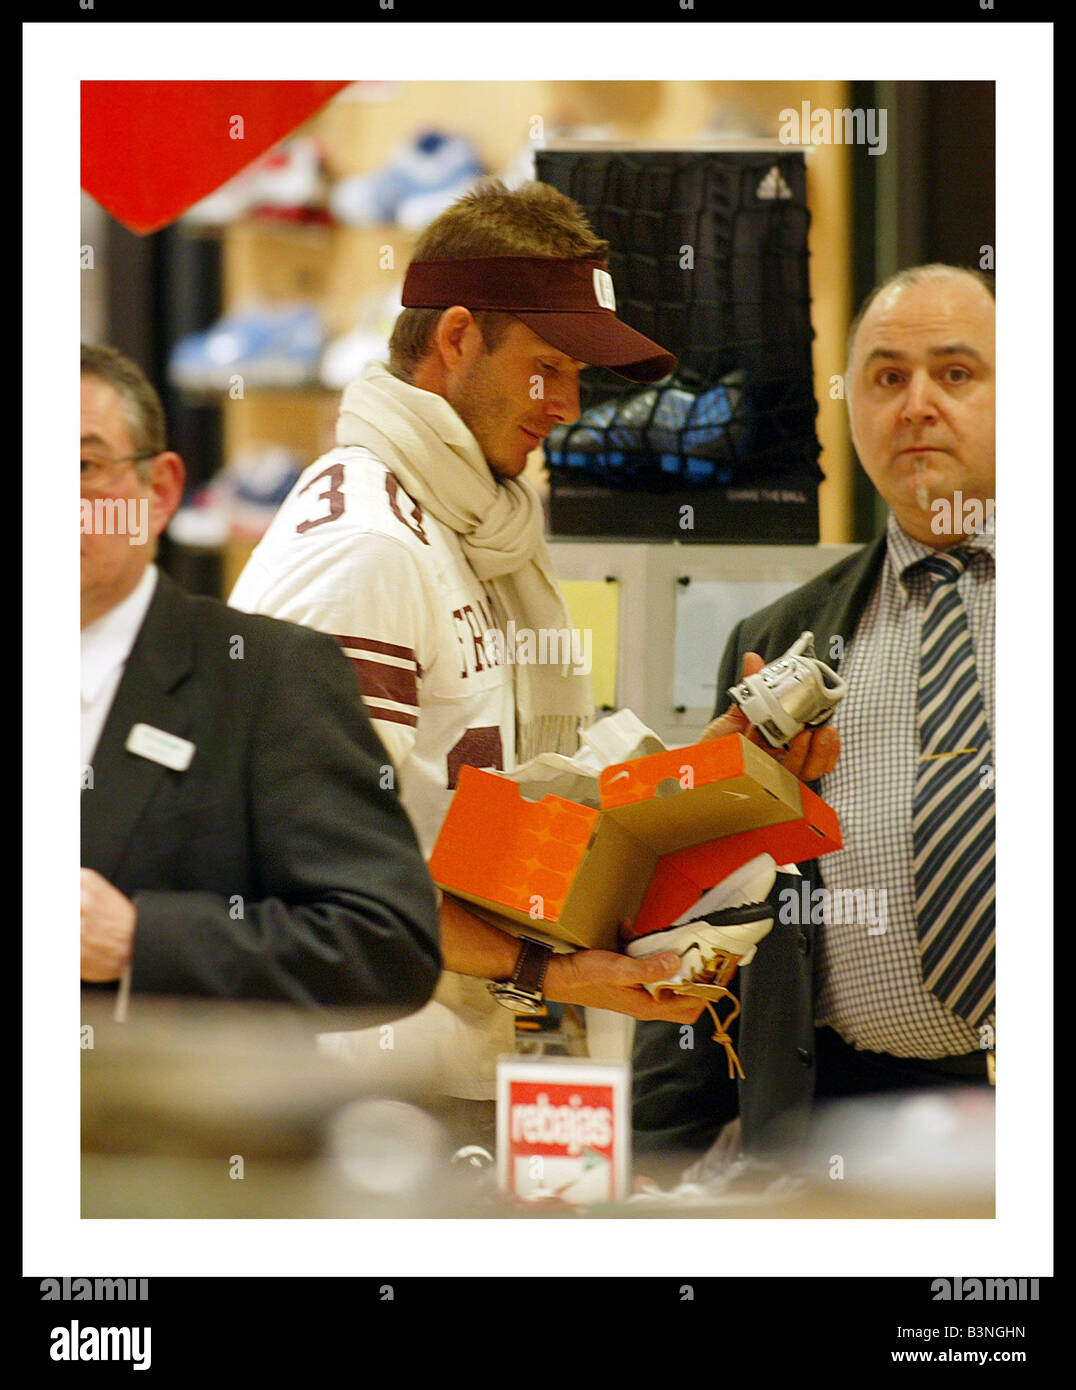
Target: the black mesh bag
(709, 258)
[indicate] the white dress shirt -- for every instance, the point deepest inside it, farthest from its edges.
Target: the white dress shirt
(106, 645)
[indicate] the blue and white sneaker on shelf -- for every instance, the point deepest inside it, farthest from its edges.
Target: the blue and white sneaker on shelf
(191, 366)
(267, 346)
(289, 355)
(205, 361)
(429, 164)
(261, 477)
(240, 501)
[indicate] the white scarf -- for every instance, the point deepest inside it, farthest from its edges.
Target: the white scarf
(440, 465)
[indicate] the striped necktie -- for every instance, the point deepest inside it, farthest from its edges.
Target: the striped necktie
(953, 814)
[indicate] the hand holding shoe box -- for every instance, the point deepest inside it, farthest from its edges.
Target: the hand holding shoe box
(565, 850)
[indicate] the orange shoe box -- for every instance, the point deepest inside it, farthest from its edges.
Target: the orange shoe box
(668, 827)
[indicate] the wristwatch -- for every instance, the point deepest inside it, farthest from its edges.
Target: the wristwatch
(523, 992)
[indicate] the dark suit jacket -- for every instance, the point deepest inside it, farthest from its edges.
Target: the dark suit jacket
(280, 816)
(683, 1095)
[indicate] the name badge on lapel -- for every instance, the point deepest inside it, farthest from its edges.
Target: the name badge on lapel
(159, 747)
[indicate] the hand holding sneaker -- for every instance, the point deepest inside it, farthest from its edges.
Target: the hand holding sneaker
(810, 754)
(594, 978)
(712, 940)
(609, 980)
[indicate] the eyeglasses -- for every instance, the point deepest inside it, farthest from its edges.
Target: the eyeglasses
(98, 473)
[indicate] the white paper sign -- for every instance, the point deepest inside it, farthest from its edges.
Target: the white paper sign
(706, 612)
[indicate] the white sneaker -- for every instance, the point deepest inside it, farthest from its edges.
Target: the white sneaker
(716, 936)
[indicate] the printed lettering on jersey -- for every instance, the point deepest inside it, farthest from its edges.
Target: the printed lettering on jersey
(396, 492)
(352, 554)
(481, 748)
(333, 495)
(477, 633)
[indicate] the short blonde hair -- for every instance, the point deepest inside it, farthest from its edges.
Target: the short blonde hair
(492, 220)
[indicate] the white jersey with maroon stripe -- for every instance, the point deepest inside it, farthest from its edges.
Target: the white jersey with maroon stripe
(351, 554)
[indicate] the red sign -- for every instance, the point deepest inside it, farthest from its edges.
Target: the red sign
(563, 1129)
(151, 150)
(560, 1119)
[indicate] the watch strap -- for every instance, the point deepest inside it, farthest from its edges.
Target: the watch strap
(531, 967)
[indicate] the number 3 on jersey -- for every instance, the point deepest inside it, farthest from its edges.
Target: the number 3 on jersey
(333, 495)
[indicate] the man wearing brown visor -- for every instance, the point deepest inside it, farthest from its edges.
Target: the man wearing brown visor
(415, 540)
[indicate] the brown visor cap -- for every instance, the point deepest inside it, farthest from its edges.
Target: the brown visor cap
(568, 303)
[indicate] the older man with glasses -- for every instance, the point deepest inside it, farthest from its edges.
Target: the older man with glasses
(239, 837)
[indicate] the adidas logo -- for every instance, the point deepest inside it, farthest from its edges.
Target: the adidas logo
(773, 185)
